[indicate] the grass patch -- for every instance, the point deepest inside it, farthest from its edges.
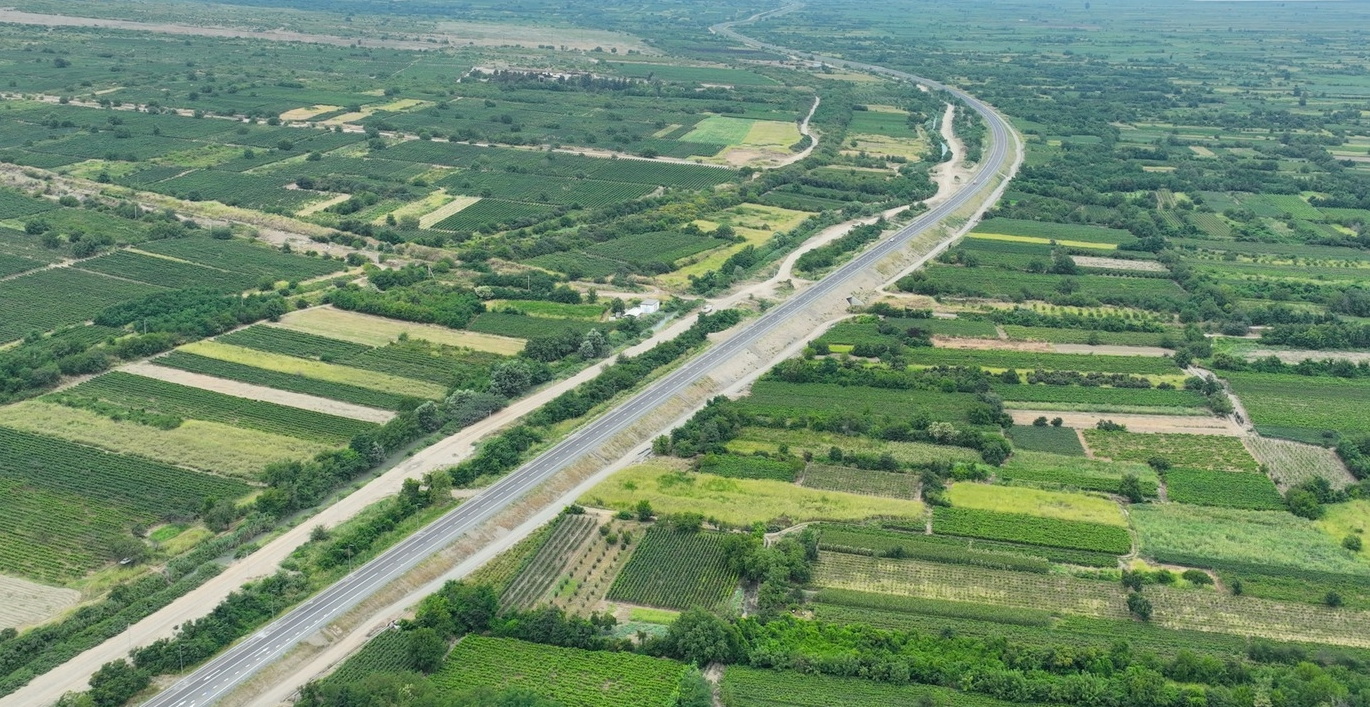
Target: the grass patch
(1036, 502)
(1215, 452)
(736, 501)
(371, 330)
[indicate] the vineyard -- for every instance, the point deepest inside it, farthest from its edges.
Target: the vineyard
(66, 502)
(861, 481)
(1292, 463)
(542, 570)
(1056, 471)
(794, 400)
(571, 676)
(769, 439)
(386, 652)
(1215, 452)
(897, 604)
(141, 393)
(1111, 397)
(132, 265)
(316, 370)
(751, 687)
(1205, 487)
(491, 215)
(870, 540)
(257, 261)
(540, 189)
(1302, 407)
(1033, 530)
(675, 570)
(47, 299)
(963, 583)
(1054, 440)
(280, 380)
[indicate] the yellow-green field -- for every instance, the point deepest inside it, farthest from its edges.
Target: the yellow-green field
(872, 144)
(1342, 520)
(735, 501)
(297, 114)
(754, 222)
(208, 446)
(1043, 241)
(379, 331)
(453, 206)
(317, 370)
(1036, 502)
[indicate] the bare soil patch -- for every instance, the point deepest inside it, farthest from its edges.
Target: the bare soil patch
(24, 603)
(1106, 350)
(1091, 261)
(1146, 424)
(946, 342)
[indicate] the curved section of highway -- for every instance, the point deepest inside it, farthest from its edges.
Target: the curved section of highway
(219, 676)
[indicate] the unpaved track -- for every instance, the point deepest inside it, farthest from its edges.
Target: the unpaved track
(258, 392)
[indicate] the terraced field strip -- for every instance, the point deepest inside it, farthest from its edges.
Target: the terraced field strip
(970, 584)
(317, 370)
(258, 392)
(1148, 424)
(450, 208)
(378, 331)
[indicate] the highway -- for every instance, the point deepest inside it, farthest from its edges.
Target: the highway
(219, 676)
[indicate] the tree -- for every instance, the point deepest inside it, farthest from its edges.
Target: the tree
(695, 690)
(701, 638)
(1040, 421)
(644, 510)
(1139, 606)
(1352, 543)
(1131, 489)
(426, 649)
(115, 682)
(1332, 599)
(1303, 503)
(1057, 422)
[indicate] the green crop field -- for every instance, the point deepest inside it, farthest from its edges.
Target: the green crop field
(750, 687)
(571, 676)
(1047, 470)
(769, 440)
(675, 570)
(65, 502)
(1027, 361)
(1055, 440)
(1192, 451)
(862, 481)
(782, 399)
(1056, 231)
(1302, 407)
(134, 392)
(1203, 537)
(1033, 530)
(1150, 397)
(1229, 489)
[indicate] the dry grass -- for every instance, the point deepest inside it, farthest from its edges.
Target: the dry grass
(23, 603)
(208, 446)
(1036, 502)
(379, 331)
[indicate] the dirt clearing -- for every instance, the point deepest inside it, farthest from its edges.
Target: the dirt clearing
(24, 603)
(1147, 424)
(257, 392)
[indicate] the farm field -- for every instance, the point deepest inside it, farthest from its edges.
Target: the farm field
(370, 330)
(1035, 502)
(61, 516)
(739, 502)
(1302, 407)
(860, 481)
(658, 575)
(569, 675)
(207, 446)
(1214, 452)
(769, 440)
(1049, 470)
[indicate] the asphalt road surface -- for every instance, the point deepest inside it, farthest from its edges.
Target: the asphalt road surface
(219, 676)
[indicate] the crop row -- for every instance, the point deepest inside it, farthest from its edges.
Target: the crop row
(141, 393)
(1229, 489)
(281, 381)
(569, 676)
(167, 273)
(544, 568)
(740, 467)
(675, 570)
(1033, 530)
(896, 543)
(541, 189)
(862, 481)
(1031, 360)
(240, 256)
